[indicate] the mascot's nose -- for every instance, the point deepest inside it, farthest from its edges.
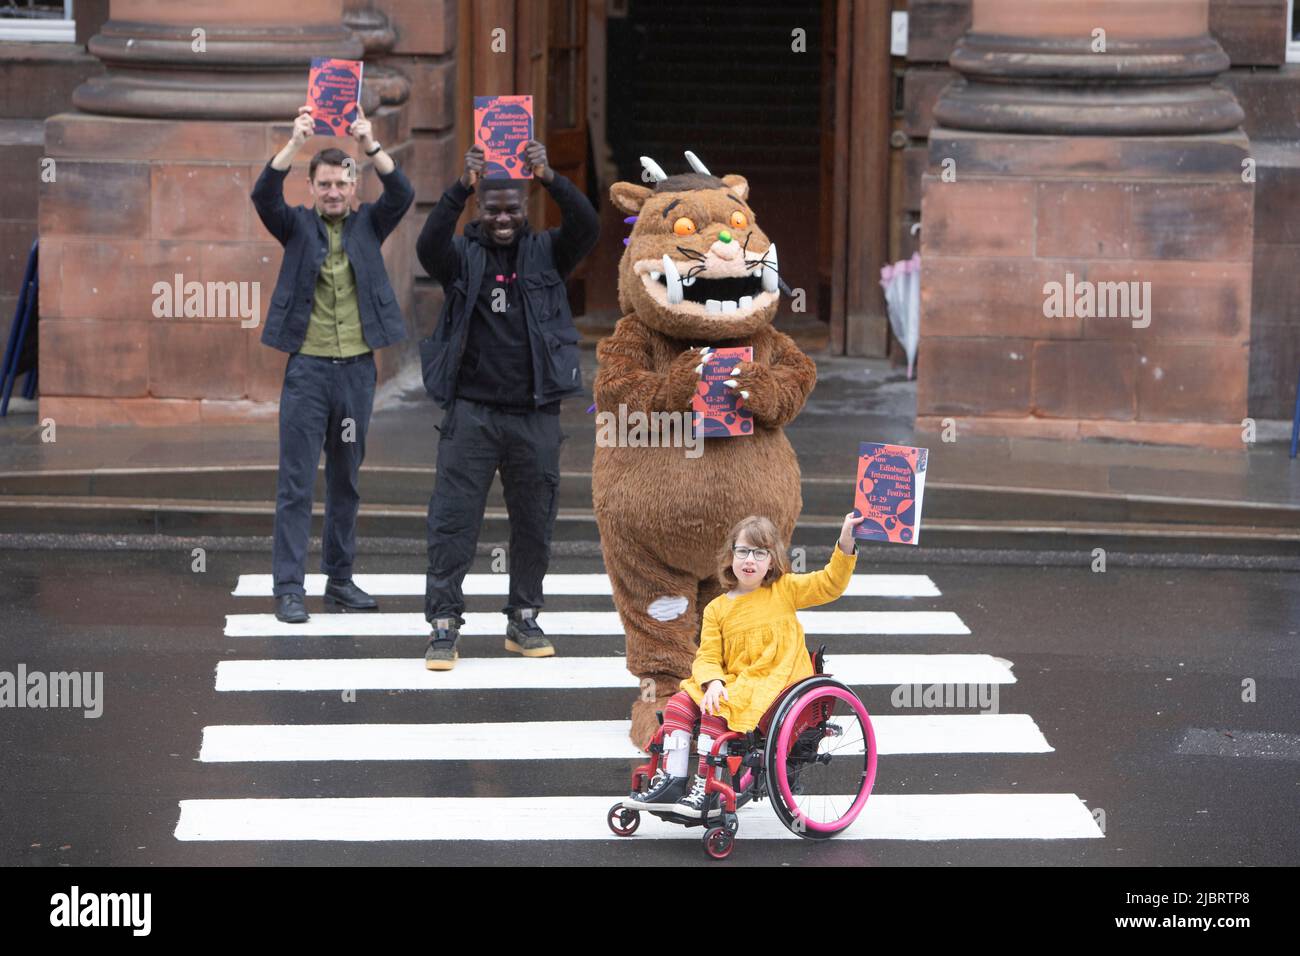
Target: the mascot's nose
(726, 247)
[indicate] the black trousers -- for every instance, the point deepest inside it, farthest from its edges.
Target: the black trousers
(324, 403)
(476, 441)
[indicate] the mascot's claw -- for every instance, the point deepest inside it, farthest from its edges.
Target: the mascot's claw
(704, 359)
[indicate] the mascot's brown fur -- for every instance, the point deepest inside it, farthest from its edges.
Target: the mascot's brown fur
(663, 515)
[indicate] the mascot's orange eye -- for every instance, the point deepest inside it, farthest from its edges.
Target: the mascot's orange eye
(738, 220)
(684, 227)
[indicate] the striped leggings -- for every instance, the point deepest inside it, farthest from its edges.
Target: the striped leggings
(680, 713)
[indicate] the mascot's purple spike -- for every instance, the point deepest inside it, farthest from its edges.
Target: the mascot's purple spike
(697, 271)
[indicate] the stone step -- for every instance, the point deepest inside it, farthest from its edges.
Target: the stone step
(70, 514)
(385, 487)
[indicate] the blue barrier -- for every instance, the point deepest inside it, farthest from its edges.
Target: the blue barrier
(24, 318)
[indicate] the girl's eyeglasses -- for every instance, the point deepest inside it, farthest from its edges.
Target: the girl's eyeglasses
(760, 554)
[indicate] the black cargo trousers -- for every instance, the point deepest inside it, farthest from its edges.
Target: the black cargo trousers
(476, 440)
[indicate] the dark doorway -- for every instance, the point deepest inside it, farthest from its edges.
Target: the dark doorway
(725, 81)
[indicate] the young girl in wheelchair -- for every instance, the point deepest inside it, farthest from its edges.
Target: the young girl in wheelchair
(751, 649)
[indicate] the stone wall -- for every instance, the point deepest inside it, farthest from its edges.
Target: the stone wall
(36, 80)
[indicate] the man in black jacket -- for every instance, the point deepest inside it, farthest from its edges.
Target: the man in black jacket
(504, 353)
(333, 305)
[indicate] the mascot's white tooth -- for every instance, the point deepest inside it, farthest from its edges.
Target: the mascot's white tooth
(770, 269)
(713, 305)
(688, 280)
(746, 301)
(674, 280)
(655, 276)
(729, 305)
(757, 273)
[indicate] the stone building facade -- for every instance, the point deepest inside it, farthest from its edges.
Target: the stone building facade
(1068, 165)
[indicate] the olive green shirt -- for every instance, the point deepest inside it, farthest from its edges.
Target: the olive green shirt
(335, 326)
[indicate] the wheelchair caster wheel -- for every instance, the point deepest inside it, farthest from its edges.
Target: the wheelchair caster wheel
(622, 820)
(718, 842)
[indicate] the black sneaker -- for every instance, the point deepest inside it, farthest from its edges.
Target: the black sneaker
(692, 805)
(661, 794)
(524, 635)
(441, 654)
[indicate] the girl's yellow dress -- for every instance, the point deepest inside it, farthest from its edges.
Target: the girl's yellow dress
(755, 644)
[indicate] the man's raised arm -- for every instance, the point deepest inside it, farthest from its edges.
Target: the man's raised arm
(579, 224)
(398, 192)
(268, 191)
(434, 248)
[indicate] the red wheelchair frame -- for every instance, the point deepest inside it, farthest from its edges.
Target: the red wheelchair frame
(800, 717)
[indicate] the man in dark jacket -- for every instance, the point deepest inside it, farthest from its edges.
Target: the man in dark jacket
(504, 353)
(333, 305)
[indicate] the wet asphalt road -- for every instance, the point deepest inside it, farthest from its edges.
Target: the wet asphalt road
(1119, 670)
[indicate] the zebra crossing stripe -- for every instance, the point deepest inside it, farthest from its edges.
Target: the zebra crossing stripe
(502, 673)
(583, 739)
(961, 816)
(398, 585)
(574, 623)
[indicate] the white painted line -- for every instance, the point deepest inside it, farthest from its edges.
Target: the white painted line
(963, 816)
(501, 673)
(958, 734)
(398, 585)
(574, 623)
(584, 739)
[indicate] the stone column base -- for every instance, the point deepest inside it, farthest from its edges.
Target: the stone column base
(1039, 255)
(1219, 437)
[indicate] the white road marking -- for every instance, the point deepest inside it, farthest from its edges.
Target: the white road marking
(574, 624)
(486, 673)
(584, 739)
(962, 816)
(397, 585)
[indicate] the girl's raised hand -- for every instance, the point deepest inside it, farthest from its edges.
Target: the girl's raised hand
(851, 521)
(716, 689)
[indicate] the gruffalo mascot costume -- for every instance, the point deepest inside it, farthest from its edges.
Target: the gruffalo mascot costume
(698, 273)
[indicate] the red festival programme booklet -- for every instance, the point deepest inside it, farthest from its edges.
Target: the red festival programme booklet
(890, 485)
(333, 91)
(503, 125)
(720, 412)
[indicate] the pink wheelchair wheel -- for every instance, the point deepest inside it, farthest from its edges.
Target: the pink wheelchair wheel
(823, 762)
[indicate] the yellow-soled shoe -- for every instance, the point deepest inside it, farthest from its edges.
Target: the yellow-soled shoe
(524, 636)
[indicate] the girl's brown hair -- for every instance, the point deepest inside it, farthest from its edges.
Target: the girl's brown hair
(761, 534)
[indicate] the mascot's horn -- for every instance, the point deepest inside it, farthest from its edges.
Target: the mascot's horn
(654, 169)
(696, 165)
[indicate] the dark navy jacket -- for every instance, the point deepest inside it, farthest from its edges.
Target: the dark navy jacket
(542, 259)
(306, 244)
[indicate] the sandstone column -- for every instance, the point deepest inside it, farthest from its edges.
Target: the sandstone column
(1085, 158)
